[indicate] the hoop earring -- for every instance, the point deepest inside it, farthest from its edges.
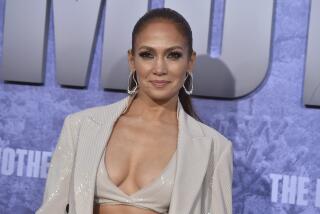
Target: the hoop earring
(131, 77)
(189, 92)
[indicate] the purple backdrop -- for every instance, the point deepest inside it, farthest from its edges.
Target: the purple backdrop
(274, 135)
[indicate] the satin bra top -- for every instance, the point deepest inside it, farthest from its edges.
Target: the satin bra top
(155, 196)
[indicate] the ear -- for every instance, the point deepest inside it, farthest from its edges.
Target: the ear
(131, 60)
(192, 61)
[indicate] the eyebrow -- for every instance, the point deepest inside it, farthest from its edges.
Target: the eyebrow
(169, 49)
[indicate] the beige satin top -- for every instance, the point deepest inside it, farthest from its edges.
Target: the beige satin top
(155, 196)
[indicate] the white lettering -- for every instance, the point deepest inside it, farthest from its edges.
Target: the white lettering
(289, 189)
(317, 201)
(36, 162)
(295, 190)
(302, 191)
(7, 167)
(275, 186)
(33, 165)
(21, 154)
(44, 164)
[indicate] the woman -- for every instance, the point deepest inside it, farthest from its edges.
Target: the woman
(146, 153)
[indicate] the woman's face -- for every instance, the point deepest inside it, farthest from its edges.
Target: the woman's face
(161, 60)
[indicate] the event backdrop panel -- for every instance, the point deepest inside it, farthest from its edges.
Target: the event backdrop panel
(275, 135)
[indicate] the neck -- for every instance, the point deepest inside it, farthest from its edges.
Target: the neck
(148, 109)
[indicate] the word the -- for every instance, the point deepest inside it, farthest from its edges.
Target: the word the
(294, 189)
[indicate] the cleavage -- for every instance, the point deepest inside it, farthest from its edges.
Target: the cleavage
(130, 176)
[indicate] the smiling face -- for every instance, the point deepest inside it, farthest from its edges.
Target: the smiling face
(161, 60)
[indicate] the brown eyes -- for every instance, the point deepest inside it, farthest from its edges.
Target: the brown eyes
(172, 55)
(175, 55)
(145, 55)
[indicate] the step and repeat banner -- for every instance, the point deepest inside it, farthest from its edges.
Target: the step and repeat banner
(256, 80)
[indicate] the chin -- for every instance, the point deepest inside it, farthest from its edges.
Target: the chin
(161, 95)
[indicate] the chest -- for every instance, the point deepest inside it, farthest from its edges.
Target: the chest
(92, 139)
(137, 154)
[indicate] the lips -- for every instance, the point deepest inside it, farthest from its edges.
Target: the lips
(159, 83)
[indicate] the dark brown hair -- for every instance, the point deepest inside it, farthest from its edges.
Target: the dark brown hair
(184, 28)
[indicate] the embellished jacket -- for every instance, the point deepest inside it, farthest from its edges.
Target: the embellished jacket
(203, 181)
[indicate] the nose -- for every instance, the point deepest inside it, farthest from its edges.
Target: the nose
(160, 67)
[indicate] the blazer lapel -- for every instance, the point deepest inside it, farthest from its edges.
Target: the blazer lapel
(193, 152)
(94, 134)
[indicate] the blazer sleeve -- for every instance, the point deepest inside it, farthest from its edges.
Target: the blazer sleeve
(222, 182)
(55, 198)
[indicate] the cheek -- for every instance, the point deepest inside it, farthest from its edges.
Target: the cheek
(179, 65)
(178, 72)
(143, 70)
(181, 79)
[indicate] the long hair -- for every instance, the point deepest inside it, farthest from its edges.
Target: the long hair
(184, 28)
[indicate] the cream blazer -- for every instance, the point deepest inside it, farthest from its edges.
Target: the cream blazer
(203, 182)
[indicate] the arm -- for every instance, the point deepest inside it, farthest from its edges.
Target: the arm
(56, 193)
(222, 182)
